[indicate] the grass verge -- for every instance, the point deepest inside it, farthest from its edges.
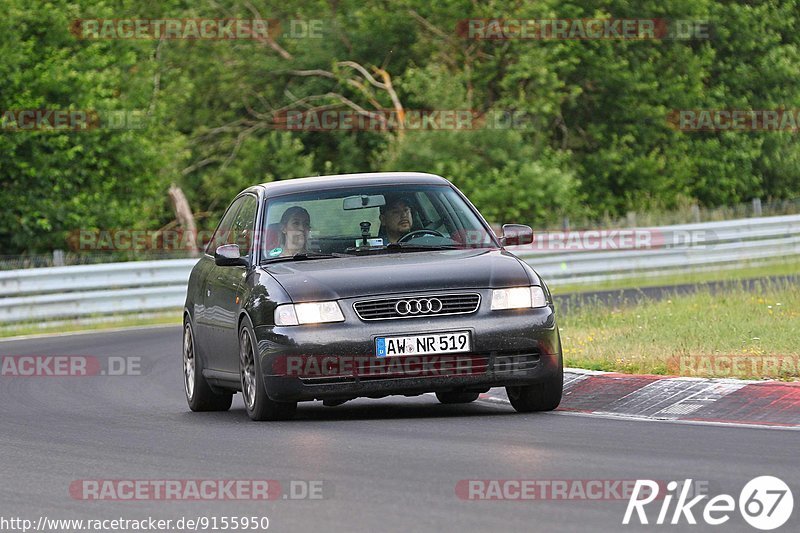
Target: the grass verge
(733, 333)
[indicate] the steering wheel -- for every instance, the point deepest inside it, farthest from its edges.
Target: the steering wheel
(417, 233)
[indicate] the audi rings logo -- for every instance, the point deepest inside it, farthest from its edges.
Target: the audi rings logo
(422, 306)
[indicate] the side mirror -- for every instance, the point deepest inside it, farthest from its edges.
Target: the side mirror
(229, 255)
(516, 235)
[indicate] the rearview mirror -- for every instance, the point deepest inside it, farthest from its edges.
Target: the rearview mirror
(363, 201)
(229, 255)
(516, 235)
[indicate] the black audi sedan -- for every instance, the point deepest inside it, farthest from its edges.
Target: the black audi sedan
(365, 285)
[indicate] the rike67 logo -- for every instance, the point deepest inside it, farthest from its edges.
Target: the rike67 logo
(765, 502)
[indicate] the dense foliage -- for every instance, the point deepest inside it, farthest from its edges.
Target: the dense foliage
(597, 139)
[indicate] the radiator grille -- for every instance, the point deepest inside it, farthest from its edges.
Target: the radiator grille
(417, 306)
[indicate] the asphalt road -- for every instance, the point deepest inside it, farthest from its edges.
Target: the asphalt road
(386, 465)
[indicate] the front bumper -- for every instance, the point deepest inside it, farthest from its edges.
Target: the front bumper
(337, 361)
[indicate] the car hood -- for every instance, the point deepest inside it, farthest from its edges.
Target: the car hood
(374, 275)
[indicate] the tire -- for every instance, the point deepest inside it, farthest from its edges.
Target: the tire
(544, 396)
(256, 401)
(198, 392)
(457, 397)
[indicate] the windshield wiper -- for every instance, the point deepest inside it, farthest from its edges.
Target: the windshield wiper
(303, 256)
(409, 246)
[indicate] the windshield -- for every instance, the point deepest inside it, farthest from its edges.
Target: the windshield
(371, 220)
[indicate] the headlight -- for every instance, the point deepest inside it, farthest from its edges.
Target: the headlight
(518, 298)
(308, 313)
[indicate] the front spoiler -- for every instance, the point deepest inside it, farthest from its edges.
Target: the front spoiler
(498, 373)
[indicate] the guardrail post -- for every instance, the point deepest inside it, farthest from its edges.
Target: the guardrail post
(756, 207)
(58, 258)
(695, 213)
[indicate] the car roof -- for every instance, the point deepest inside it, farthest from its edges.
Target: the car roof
(276, 188)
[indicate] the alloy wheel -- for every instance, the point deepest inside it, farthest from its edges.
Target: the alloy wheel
(188, 361)
(247, 369)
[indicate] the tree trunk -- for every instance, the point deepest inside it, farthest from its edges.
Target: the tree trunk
(185, 218)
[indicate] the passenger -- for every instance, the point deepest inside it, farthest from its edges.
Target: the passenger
(294, 226)
(396, 218)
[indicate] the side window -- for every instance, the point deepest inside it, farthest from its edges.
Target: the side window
(431, 217)
(243, 225)
(222, 235)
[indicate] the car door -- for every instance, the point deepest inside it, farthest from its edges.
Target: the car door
(206, 316)
(225, 289)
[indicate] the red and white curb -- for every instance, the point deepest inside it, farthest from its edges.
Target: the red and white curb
(686, 399)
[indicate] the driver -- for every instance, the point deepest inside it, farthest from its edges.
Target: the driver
(396, 217)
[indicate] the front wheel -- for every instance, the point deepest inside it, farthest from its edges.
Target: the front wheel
(543, 396)
(256, 402)
(198, 392)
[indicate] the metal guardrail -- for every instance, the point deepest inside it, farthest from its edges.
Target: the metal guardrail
(99, 276)
(671, 249)
(146, 286)
(103, 289)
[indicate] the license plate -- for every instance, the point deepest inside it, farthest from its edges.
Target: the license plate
(433, 343)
